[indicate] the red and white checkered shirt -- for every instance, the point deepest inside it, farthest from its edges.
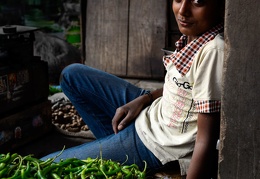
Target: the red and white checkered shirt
(183, 56)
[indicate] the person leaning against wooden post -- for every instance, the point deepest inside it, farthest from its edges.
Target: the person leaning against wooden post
(177, 123)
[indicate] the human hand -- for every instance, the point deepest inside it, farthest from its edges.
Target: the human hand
(127, 113)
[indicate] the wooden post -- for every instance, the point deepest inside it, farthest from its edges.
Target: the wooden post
(240, 126)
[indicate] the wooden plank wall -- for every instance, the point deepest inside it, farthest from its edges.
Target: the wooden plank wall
(106, 35)
(125, 37)
(147, 29)
(173, 33)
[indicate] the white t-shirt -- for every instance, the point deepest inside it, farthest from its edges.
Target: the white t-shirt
(168, 127)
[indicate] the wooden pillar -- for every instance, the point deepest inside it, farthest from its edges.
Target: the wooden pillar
(240, 125)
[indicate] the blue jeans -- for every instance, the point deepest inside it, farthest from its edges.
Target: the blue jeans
(96, 95)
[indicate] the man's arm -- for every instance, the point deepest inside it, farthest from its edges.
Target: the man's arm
(127, 113)
(205, 145)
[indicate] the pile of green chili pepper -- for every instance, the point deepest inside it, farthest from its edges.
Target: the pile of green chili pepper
(15, 166)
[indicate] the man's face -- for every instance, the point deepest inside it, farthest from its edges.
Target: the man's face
(194, 17)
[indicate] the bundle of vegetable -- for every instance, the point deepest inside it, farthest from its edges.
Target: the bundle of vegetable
(15, 166)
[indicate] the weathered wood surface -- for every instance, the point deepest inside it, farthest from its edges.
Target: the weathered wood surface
(106, 35)
(125, 37)
(240, 126)
(147, 29)
(173, 33)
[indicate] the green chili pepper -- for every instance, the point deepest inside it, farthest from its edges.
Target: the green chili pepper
(2, 165)
(77, 163)
(13, 157)
(125, 171)
(131, 166)
(68, 161)
(40, 175)
(26, 172)
(71, 175)
(119, 175)
(87, 170)
(28, 168)
(83, 176)
(55, 176)
(50, 168)
(16, 173)
(14, 166)
(115, 169)
(11, 168)
(103, 169)
(92, 177)
(59, 171)
(50, 160)
(5, 158)
(47, 162)
(39, 171)
(23, 175)
(17, 167)
(142, 175)
(31, 159)
(3, 172)
(90, 162)
(75, 169)
(129, 176)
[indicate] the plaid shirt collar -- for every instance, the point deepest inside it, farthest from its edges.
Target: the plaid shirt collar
(183, 55)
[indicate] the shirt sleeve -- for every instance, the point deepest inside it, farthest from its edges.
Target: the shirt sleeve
(208, 79)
